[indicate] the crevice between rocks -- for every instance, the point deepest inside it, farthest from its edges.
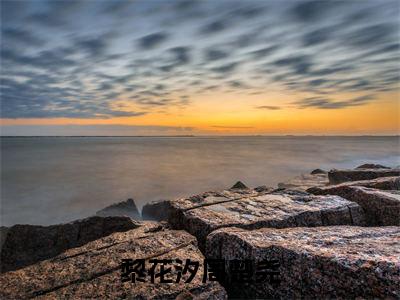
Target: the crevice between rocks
(210, 204)
(101, 248)
(351, 215)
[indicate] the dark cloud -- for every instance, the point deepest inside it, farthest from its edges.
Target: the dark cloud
(12, 10)
(227, 68)
(152, 40)
(316, 37)
(105, 86)
(249, 11)
(64, 6)
(117, 7)
(212, 54)
(360, 85)
(214, 27)
(310, 11)
(264, 52)
(93, 46)
(167, 68)
(332, 70)
(47, 20)
(384, 50)
(21, 36)
(325, 103)
(162, 102)
(317, 82)
(238, 84)
(49, 59)
(184, 5)
(211, 88)
(56, 14)
(182, 55)
(373, 35)
(158, 101)
(300, 64)
(269, 107)
(24, 100)
(246, 40)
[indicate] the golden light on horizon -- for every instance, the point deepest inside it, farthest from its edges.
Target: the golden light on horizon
(238, 114)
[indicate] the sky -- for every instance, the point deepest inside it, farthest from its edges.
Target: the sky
(210, 67)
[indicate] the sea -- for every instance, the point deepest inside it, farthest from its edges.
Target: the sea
(50, 180)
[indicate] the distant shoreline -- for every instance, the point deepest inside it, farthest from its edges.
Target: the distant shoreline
(194, 136)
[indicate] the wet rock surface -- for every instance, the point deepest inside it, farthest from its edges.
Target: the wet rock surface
(239, 185)
(124, 208)
(318, 171)
(316, 263)
(3, 235)
(93, 270)
(305, 181)
(381, 207)
(372, 166)
(263, 188)
(382, 183)
(339, 176)
(27, 244)
(201, 214)
(156, 210)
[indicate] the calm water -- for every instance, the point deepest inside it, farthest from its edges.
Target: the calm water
(52, 180)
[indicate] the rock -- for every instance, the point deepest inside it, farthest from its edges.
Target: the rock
(239, 185)
(378, 205)
(339, 176)
(3, 235)
(388, 215)
(318, 171)
(335, 262)
(124, 208)
(263, 188)
(94, 270)
(201, 214)
(305, 181)
(294, 192)
(28, 244)
(372, 166)
(381, 183)
(156, 210)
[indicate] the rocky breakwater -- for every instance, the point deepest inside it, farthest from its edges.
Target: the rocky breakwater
(382, 207)
(309, 227)
(332, 269)
(23, 245)
(324, 261)
(94, 269)
(321, 178)
(317, 177)
(125, 208)
(250, 209)
(344, 262)
(361, 173)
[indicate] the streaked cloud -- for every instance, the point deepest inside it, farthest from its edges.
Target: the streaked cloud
(152, 40)
(326, 103)
(269, 107)
(105, 59)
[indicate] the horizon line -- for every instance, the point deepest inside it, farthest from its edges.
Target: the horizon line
(188, 136)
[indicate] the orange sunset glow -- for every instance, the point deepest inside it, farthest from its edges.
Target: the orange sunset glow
(260, 68)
